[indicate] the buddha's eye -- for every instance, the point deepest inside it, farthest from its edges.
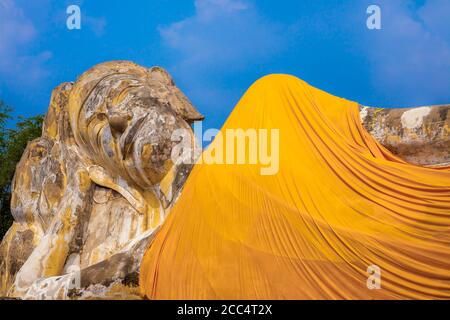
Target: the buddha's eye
(118, 121)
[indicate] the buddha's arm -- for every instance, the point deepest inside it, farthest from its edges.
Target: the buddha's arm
(418, 135)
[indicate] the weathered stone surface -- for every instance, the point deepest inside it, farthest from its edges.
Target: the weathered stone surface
(88, 195)
(417, 135)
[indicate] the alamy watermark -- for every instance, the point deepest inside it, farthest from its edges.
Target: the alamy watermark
(374, 20)
(73, 21)
(231, 146)
(374, 280)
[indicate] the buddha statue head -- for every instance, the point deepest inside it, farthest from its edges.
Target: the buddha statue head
(123, 116)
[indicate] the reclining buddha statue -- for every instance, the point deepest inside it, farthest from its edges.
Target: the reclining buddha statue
(97, 184)
(359, 207)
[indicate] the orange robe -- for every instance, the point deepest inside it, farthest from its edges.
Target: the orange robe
(339, 203)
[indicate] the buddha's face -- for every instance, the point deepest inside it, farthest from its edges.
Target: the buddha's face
(137, 134)
(127, 121)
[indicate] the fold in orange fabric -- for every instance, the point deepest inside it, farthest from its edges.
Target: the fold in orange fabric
(339, 203)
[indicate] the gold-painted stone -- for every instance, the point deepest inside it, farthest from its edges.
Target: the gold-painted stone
(418, 135)
(86, 196)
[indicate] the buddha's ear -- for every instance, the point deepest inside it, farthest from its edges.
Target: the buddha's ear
(100, 176)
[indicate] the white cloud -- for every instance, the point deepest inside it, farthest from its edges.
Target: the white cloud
(436, 17)
(17, 32)
(209, 8)
(223, 39)
(96, 24)
(223, 34)
(411, 54)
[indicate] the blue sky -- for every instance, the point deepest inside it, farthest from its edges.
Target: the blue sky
(215, 49)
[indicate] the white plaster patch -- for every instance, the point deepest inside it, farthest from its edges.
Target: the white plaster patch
(73, 261)
(363, 113)
(53, 288)
(413, 118)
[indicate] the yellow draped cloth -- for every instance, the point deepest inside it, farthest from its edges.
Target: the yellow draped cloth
(339, 203)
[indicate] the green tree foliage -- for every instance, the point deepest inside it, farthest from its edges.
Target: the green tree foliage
(13, 142)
